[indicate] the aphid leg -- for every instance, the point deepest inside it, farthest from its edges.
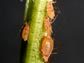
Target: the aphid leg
(53, 20)
(57, 14)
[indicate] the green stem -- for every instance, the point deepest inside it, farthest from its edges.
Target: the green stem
(35, 18)
(26, 10)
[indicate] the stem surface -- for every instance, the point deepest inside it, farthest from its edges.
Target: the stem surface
(37, 13)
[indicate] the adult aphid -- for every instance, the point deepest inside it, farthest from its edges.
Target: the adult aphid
(25, 31)
(46, 48)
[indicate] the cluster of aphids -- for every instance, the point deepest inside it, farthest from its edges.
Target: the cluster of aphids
(47, 41)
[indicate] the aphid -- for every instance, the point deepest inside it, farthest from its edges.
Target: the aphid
(50, 9)
(47, 26)
(47, 47)
(25, 31)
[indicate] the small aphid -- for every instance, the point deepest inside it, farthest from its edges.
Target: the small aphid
(25, 32)
(47, 47)
(50, 9)
(47, 26)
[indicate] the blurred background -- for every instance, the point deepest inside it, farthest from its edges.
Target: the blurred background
(68, 31)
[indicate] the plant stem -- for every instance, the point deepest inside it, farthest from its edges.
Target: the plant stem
(35, 16)
(26, 10)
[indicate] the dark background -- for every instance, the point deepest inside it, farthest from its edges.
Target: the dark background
(71, 37)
